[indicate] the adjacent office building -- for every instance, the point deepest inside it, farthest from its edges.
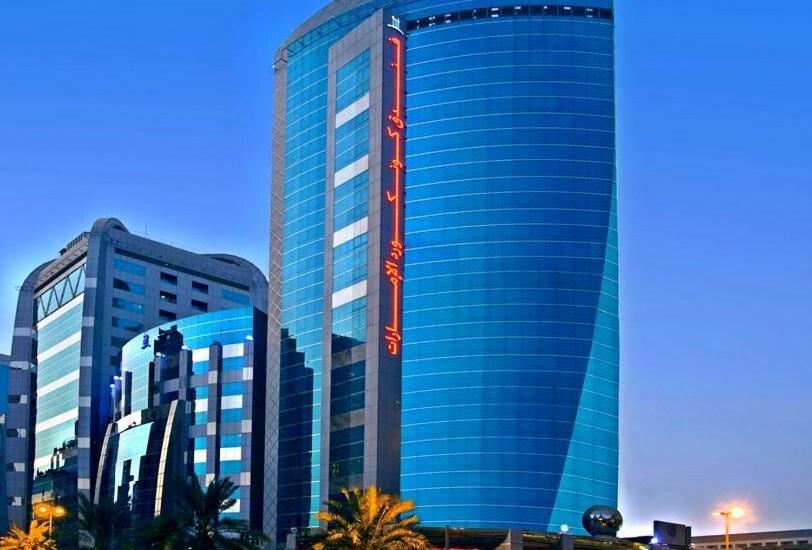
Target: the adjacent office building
(186, 405)
(4, 366)
(443, 286)
(74, 314)
(799, 539)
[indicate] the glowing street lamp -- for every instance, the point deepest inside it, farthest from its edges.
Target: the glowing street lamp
(50, 511)
(734, 512)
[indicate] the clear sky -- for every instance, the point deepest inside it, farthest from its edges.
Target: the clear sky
(158, 112)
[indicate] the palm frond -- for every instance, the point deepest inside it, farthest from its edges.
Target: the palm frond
(369, 520)
(197, 522)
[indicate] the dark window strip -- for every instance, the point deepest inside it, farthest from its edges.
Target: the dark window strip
(192, 272)
(507, 11)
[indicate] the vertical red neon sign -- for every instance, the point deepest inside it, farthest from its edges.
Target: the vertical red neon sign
(393, 262)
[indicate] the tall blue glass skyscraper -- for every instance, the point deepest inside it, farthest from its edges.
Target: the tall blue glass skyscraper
(444, 246)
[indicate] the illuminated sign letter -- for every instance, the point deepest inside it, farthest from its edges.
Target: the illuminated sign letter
(395, 24)
(393, 260)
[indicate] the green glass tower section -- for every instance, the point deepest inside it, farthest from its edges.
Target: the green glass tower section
(510, 361)
(58, 352)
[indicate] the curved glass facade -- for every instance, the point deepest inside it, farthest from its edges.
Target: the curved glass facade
(510, 309)
(207, 370)
(227, 327)
(133, 468)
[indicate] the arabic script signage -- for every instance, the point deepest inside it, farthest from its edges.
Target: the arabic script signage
(393, 260)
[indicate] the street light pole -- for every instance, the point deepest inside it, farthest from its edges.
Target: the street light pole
(49, 510)
(726, 514)
(731, 513)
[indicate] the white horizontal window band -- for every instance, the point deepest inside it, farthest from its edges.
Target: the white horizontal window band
(58, 383)
(125, 421)
(351, 170)
(61, 346)
(347, 295)
(231, 402)
(229, 350)
(230, 453)
(233, 350)
(42, 463)
(353, 110)
(234, 508)
(200, 456)
(60, 312)
(201, 405)
(72, 414)
(348, 233)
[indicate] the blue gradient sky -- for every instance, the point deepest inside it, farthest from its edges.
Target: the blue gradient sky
(156, 112)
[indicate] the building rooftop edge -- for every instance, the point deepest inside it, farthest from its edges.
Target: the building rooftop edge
(790, 533)
(78, 246)
(331, 10)
(334, 9)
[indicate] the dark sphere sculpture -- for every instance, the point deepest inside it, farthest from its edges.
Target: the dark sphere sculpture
(602, 521)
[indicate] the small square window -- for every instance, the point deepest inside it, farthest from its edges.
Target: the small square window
(200, 306)
(121, 284)
(167, 315)
(169, 278)
(168, 297)
(200, 287)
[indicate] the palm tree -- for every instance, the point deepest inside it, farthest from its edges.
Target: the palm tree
(197, 523)
(36, 538)
(103, 526)
(370, 520)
